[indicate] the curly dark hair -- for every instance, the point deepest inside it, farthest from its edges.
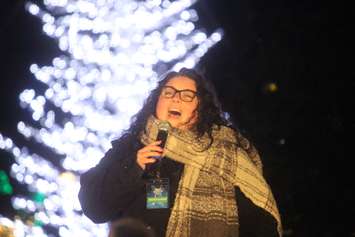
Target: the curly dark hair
(209, 109)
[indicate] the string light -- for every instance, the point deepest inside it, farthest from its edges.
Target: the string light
(111, 50)
(5, 186)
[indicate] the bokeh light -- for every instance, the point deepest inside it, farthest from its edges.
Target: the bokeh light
(113, 54)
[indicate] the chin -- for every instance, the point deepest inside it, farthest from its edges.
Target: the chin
(174, 124)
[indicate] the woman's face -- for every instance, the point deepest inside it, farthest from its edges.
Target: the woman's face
(177, 109)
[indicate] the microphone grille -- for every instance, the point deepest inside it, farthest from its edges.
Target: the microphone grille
(164, 125)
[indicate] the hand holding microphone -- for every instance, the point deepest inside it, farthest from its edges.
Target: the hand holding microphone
(153, 151)
(146, 154)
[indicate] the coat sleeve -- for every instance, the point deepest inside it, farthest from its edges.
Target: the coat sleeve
(112, 185)
(253, 220)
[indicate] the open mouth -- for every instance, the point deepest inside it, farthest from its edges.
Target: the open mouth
(174, 113)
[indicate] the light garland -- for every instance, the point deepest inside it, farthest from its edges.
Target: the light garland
(113, 54)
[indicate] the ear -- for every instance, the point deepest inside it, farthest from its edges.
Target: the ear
(194, 117)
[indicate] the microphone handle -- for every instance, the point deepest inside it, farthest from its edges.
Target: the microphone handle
(162, 136)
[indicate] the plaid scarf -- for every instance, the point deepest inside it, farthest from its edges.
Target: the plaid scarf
(205, 201)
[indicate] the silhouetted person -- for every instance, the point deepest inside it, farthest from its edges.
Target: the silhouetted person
(129, 227)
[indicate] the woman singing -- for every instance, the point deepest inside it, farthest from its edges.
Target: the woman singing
(205, 181)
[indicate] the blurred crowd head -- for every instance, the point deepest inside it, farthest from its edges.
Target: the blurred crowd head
(129, 227)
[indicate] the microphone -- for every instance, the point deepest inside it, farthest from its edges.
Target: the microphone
(163, 133)
(162, 136)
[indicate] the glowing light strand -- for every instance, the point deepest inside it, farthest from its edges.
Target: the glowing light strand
(115, 50)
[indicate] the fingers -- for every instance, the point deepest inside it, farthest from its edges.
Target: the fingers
(152, 147)
(149, 154)
(147, 150)
(142, 161)
(144, 155)
(149, 161)
(155, 143)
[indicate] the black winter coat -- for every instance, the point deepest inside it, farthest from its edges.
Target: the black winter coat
(115, 188)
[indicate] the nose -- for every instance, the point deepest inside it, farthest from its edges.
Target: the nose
(176, 97)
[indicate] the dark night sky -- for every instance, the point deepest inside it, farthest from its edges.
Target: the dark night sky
(302, 46)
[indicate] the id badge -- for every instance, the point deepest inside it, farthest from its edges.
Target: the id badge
(157, 193)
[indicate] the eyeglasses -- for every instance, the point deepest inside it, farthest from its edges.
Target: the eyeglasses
(185, 95)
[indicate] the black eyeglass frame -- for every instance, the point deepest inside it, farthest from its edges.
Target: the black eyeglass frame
(180, 95)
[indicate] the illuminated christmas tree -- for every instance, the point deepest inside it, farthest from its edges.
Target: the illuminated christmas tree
(113, 54)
